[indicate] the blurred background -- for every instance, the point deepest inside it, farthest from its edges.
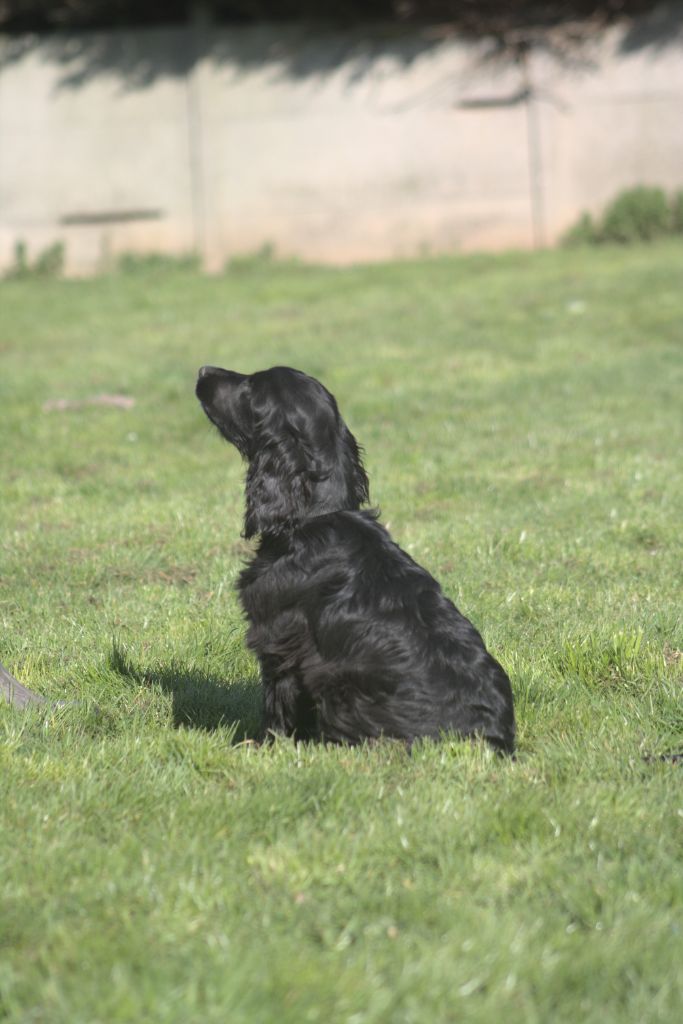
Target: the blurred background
(350, 131)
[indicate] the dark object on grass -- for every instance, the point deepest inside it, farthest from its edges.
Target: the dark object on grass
(355, 640)
(12, 690)
(672, 758)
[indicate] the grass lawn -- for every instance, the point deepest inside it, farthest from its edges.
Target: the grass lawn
(523, 422)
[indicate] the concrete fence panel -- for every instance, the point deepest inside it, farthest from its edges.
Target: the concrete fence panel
(331, 147)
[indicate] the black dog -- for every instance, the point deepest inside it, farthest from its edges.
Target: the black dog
(355, 639)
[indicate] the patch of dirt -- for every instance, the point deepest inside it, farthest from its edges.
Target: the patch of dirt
(672, 656)
(69, 404)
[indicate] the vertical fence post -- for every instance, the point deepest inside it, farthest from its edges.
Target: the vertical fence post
(199, 19)
(535, 154)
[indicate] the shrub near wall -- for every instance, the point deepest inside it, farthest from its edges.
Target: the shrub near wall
(48, 263)
(636, 215)
(677, 212)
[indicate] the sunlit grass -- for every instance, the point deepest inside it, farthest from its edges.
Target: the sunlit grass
(521, 417)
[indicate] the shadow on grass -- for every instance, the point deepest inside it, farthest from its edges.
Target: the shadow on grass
(200, 700)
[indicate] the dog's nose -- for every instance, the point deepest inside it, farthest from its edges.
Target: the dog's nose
(203, 370)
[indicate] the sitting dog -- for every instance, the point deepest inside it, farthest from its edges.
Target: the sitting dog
(355, 640)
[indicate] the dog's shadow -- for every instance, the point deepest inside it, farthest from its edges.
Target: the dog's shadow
(200, 700)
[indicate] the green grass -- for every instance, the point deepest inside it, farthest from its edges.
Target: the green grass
(522, 421)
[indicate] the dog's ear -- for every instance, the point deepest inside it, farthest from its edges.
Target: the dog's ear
(290, 479)
(355, 477)
(278, 488)
(304, 461)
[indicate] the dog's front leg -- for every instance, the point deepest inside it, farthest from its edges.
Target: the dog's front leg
(287, 710)
(279, 704)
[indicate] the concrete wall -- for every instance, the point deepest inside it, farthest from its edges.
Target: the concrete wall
(330, 147)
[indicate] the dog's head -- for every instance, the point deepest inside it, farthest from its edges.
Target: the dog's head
(303, 459)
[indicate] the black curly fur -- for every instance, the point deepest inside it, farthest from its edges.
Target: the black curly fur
(355, 640)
